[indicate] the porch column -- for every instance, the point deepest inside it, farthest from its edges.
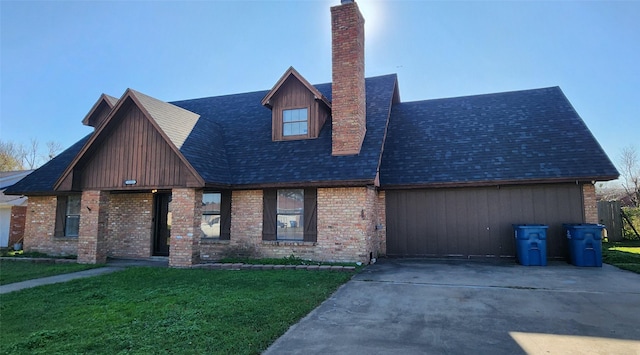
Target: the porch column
(94, 212)
(186, 213)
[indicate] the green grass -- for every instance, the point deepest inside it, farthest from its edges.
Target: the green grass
(162, 311)
(15, 270)
(625, 255)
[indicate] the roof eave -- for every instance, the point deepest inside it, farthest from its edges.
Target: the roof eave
(485, 183)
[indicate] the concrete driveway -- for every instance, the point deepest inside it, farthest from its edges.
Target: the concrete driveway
(454, 307)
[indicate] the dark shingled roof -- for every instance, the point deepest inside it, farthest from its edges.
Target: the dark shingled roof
(518, 136)
(513, 137)
(252, 158)
(42, 180)
(231, 145)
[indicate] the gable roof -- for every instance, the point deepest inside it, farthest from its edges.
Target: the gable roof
(255, 160)
(229, 143)
(105, 102)
(291, 72)
(520, 137)
(531, 135)
(176, 122)
(173, 123)
(41, 181)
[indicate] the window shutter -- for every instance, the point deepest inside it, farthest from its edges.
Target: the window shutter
(310, 214)
(61, 213)
(225, 215)
(269, 200)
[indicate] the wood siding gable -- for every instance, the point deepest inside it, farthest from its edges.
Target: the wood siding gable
(293, 91)
(139, 140)
(100, 110)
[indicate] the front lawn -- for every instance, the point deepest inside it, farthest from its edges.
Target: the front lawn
(158, 310)
(16, 270)
(625, 255)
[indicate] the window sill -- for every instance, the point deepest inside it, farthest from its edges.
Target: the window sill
(213, 241)
(64, 238)
(289, 243)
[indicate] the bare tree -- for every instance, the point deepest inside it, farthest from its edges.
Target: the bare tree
(10, 156)
(53, 149)
(630, 172)
(30, 154)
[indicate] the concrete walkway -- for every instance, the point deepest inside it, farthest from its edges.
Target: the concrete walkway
(444, 307)
(58, 278)
(113, 265)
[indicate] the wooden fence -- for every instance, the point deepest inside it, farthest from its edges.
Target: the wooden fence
(609, 214)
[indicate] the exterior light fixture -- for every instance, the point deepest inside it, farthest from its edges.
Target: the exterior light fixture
(130, 182)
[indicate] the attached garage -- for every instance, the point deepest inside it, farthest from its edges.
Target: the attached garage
(477, 222)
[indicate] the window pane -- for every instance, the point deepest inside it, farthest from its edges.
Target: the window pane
(287, 130)
(211, 203)
(290, 227)
(210, 226)
(294, 122)
(73, 204)
(291, 201)
(290, 210)
(72, 226)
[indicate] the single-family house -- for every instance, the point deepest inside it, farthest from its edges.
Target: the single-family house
(341, 171)
(12, 209)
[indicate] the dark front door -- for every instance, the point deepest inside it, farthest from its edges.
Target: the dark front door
(162, 220)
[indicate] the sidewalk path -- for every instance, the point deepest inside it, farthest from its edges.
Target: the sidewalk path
(58, 278)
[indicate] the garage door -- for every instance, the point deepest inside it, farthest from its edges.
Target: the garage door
(470, 222)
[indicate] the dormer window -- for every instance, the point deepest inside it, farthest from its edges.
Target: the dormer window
(298, 109)
(295, 122)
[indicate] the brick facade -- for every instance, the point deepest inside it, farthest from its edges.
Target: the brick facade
(347, 228)
(17, 223)
(186, 212)
(94, 214)
(40, 226)
(348, 91)
(130, 226)
(589, 203)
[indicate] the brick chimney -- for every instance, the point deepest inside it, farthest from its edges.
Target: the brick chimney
(348, 96)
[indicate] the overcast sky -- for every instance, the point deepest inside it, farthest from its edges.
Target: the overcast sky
(57, 57)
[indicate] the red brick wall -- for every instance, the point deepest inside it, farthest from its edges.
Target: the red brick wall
(40, 226)
(382, 223)
(186, 207)
(94, 211)
(246, 229)
(347, 219)
(130, 227)
(590, 203)
(346, 224)
(17, 223)
(348, 90)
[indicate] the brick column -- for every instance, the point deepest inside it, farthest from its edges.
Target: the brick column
(590, 204)
(186, 213)
(94, 212)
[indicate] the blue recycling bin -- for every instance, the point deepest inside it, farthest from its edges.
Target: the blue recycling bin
(531, 244)
(585, 244)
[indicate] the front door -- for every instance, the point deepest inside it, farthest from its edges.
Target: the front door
(162, 227)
